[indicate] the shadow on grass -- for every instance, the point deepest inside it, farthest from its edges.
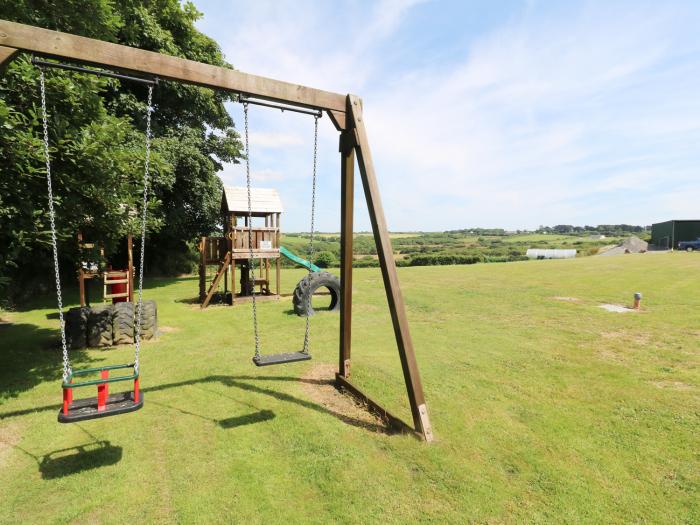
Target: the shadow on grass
(232, 422)
(219, 298)
(216, 298)
(30, 355)
(151, 283)
(73, 460)
(69, 461)
(247, 419)
(47, 301)
(242, 383)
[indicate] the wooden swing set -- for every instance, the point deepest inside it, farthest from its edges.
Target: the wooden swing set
(346, 113)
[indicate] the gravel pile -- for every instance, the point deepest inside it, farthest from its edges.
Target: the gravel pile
(630, 245)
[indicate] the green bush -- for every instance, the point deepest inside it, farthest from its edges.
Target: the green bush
(325, 259)
(371, 262)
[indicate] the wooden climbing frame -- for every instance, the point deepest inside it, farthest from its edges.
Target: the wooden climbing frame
(346, 113)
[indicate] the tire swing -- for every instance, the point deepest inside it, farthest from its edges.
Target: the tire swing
(303, 354)
(104, 404)
(307, 287)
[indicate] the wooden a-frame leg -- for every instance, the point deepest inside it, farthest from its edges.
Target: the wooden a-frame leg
(397, 308)
(347, 194)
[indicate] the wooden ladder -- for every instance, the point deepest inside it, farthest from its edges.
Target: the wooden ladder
(217, 279)
(115, 277)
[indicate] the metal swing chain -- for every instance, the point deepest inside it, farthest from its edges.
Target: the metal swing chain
(146, 174)
(305, 350)
(52, 220)
(250, 231)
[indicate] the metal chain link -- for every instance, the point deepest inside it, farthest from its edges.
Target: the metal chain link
(305, 350)
(52, 220)
(251, 260)
(146, 173)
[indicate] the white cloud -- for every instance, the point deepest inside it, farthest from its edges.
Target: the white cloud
(552, 116)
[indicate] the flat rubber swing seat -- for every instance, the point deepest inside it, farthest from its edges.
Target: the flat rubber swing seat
(280, 359)
(84, 409)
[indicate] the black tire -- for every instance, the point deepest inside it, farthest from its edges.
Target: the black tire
(149, 320)
(76, 327)
(308, 286)
(99, 332)
(123, 323)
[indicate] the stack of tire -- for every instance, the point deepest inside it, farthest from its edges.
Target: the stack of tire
(109, 324)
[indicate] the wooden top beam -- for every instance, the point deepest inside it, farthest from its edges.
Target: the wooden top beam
(97, 52)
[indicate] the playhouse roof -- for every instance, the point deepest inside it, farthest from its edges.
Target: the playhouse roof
(263, 200)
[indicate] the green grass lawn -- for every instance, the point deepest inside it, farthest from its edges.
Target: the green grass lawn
(546, 408)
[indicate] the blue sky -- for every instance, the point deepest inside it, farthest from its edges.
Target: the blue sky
(495, 114)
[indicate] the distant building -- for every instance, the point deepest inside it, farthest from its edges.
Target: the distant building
(536, 253)
(667, 235)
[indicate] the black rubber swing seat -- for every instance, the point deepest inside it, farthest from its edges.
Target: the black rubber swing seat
(86, 408)
(280, 359)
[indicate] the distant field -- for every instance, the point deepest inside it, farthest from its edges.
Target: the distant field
(546, 408)
(440, 248)
(398, 235)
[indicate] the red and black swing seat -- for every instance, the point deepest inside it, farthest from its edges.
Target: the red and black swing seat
(104, 404)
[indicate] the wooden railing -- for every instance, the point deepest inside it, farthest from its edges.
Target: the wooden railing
(265, 240)
(213, 250)
(265, 244)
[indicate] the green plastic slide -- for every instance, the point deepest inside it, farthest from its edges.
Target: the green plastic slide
(298, 260)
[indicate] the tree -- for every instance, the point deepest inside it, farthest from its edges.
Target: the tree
(96, 136)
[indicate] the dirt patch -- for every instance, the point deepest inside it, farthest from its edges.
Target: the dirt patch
(568, 299)
(610, 356)
(318, 385)
(10, 436)
(632, 337)
(672, 385)
(167, 329)
(617, 308)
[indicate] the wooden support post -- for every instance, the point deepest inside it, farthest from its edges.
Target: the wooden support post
(81, 284)
(7, 54)
(397, 308)
(278, 270)
(81, 276)
(233, 279)
(130, 269)
(202, 269)
(347, 198)
(278, 273)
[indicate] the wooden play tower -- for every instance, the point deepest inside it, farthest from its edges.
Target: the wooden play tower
(231, 250)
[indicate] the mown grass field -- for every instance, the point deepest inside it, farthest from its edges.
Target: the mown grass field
(546, 408)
